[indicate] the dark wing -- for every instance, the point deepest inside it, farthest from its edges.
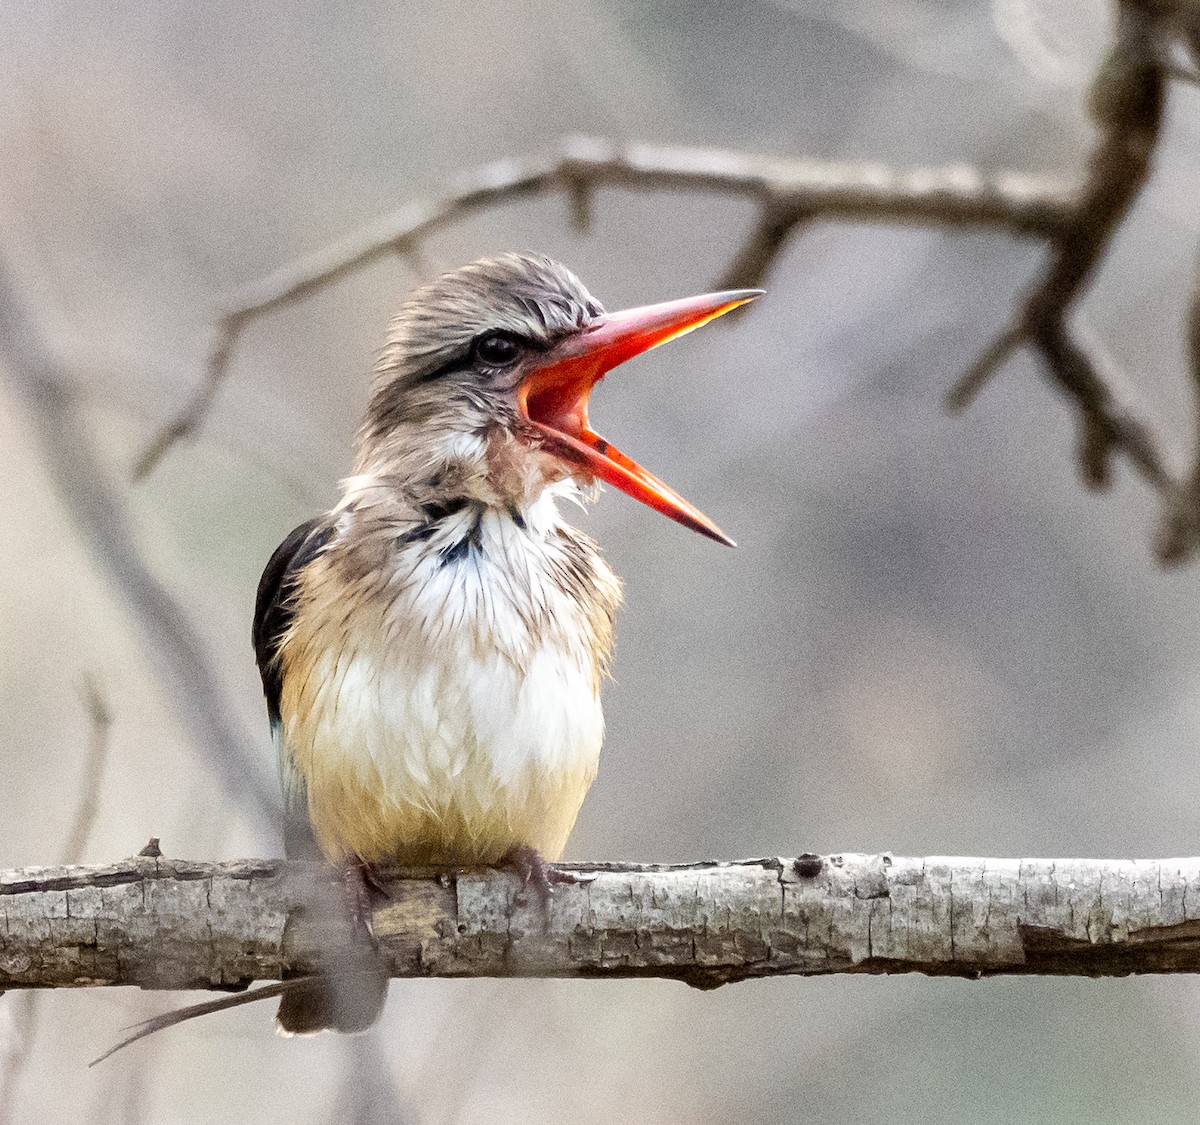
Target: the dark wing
(274, 610)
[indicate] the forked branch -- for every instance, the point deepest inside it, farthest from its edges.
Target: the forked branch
(788, 193)
(1128, 101)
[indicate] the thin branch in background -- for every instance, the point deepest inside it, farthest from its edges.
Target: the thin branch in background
(176, 651)
(1180, 528)
(1127, 103)
(368, 1094)
(100, 718)
(787, 192)
(1188, 74)
(18, 1022)
(133, 1095)
(25, 1009)
(471, 1038)
(963, 393)
(777, 222)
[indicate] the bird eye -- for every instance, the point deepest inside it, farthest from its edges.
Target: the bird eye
(497, 349)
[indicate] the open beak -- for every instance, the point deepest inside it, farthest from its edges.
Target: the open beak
(553, 398)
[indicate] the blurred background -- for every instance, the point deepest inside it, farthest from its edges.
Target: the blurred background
(930, 640)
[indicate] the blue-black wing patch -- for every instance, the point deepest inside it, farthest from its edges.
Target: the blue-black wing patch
(274, 611)
(275, 606)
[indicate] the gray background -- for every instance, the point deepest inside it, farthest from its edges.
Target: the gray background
(930, 640)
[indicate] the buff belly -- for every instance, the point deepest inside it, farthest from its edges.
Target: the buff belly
(443, 755)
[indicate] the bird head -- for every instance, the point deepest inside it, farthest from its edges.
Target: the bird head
(491, 367)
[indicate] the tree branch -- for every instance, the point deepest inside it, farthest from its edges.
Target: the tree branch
(788, 193)
(181, 925)
(1127, 103)
(25, 1019)
(43, 389)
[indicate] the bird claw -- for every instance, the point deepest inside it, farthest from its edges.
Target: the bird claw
(371, 880)
(361, 886)
(539, 874)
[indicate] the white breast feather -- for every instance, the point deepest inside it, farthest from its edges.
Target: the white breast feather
(457, 716)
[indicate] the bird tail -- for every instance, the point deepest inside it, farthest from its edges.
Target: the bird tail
(348, 1000)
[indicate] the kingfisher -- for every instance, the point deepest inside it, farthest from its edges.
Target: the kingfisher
(432, 649)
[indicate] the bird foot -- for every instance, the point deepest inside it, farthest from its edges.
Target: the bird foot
(361, 889)
(537, 873)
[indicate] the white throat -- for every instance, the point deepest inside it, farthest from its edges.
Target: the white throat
(457, 708)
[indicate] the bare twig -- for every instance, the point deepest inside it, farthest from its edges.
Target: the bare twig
(25, 1019)
(778, 220)
(1179, 531)
(973, 379)
(788, 193)
(93, 768)
(1183, 73)
(99, 514)
(368, 1094)
(1128, 99)
(18, 1023)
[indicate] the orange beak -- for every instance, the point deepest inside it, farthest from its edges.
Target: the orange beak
(553, 398)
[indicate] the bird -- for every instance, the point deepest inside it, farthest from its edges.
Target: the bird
(432, 649)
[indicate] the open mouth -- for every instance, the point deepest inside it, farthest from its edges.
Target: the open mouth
(553, 398)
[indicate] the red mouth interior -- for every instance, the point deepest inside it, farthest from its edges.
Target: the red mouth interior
(554, 396)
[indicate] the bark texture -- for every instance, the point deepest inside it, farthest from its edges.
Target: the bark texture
(172, 924)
